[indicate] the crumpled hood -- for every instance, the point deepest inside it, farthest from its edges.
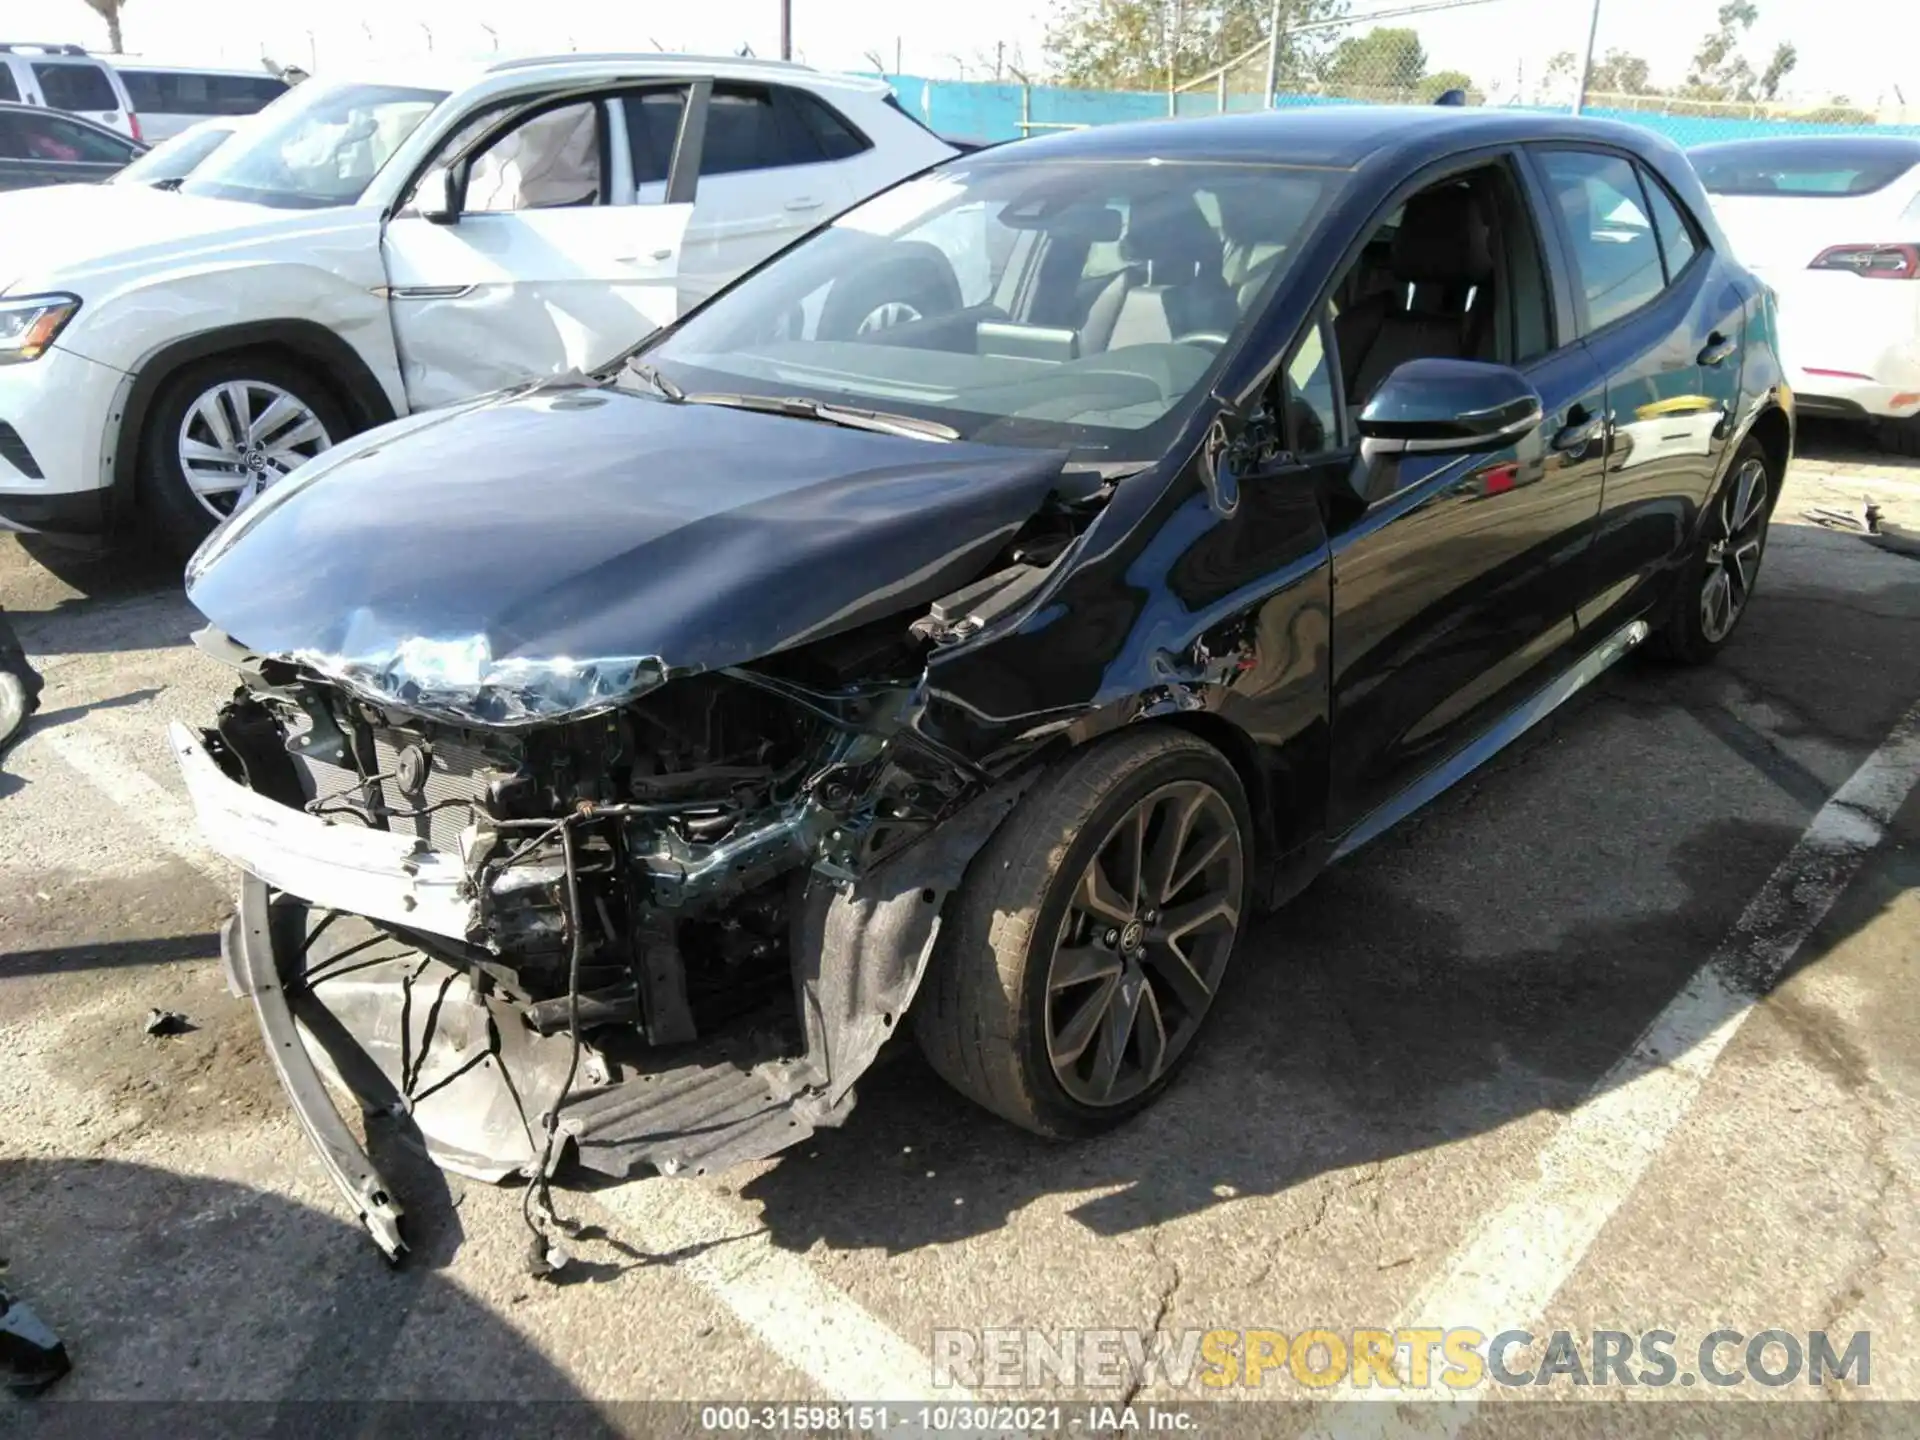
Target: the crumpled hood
(53, 233)
(557, 551)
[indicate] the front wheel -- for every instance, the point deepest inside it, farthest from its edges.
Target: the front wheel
(1716, 587)
(1091, 936)
(222, 431)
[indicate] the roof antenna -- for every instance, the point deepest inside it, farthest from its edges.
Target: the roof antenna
(1455, 96)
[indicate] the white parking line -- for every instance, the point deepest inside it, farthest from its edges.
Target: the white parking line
(1507, 1271)
(808, 1322)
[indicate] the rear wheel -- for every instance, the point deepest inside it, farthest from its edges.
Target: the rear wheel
(1092, 935)
(225, 429)
(1718, 582)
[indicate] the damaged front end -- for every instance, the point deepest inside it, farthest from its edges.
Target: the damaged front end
(657, 914)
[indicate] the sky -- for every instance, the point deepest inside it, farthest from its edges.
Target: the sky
(1497, 41)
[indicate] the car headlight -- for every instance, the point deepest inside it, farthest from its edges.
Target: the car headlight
(29, 323)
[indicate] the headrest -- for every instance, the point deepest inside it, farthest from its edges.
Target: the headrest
(1170, 235)
(1443, 240)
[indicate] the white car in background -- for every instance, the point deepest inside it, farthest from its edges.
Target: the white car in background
(368, 248)
(1832, 223)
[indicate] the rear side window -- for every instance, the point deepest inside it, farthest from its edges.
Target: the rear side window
(1615, 254)
(1676, 235)
(653, 128)
(75, 87)
(835, 137)
(1829, 168)
(183, 92)
(747, 131)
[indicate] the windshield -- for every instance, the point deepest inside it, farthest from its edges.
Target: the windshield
(176, 158)
(1056, 304)
(318, 145)
(1834, 169)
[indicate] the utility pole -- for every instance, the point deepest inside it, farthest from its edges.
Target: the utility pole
(786, 29)
(1273, 53)
(1586, 60)
(1177, 13)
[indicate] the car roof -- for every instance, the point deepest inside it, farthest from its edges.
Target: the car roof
(1331, 136)
(430, 72)
(185, 67)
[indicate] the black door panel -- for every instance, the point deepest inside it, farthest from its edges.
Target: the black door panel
(1456, 594)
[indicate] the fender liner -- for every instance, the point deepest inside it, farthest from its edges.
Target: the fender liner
(353, 381)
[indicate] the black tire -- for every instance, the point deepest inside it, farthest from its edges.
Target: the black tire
(1900, 437)
(983, 1018)
(1685, 636)
(174, 515)
(919, 279)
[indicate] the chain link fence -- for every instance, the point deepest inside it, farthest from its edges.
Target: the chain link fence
(1421, 52)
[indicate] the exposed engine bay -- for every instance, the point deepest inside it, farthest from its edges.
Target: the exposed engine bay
(671, 931)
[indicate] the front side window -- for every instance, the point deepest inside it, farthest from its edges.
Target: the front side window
(1615, 255)
(966, 297)
(48, 138)
(549, 161)
(316, 146)
(75, 87)
(1313, 418)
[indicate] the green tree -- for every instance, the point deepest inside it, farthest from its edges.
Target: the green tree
(109, 11)
(1128, 44)
(1620, 74)
(1431, 87)
(1720, 71)
(1381, 59)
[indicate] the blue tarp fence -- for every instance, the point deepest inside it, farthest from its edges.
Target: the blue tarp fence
(986, 111)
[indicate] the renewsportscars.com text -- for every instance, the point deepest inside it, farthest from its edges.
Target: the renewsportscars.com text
(1411, 1359)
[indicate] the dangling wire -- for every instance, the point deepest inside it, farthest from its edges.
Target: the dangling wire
(547, 1255)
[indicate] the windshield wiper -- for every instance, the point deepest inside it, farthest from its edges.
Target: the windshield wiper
(651, 374)
(828, 413)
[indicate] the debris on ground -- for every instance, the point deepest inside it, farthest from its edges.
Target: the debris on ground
(167, 1022)
(32, 1357)
(1869, 523)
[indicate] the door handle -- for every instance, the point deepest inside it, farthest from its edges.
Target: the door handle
(803, 202)
(635, 259)
(1577, 434)
(1717, 351)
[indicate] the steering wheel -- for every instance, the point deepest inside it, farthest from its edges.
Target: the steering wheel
(1213, 338)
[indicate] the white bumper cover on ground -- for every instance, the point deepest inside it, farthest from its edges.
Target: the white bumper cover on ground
(344, 867)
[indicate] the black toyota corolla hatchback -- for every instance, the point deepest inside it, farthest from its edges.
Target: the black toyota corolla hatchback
(967, 620)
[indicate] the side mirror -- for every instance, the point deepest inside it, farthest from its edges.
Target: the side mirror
(436, 199)
(1438, 406)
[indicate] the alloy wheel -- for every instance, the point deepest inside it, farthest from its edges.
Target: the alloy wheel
(1144, 943)
(1733, 559)
(240, 437)
(885, 317)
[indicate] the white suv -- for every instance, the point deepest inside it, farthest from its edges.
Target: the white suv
(369, 248)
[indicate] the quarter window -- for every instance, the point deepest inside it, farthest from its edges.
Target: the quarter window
(1614, 250)
(1676, 236)
(1313, 420)
(835, 137)
(8, 90)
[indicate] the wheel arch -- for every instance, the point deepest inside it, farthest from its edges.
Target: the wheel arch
(350, 381)
(1774, 431)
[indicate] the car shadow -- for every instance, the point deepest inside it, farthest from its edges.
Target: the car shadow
(1354, 1031)
(267, 1315)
